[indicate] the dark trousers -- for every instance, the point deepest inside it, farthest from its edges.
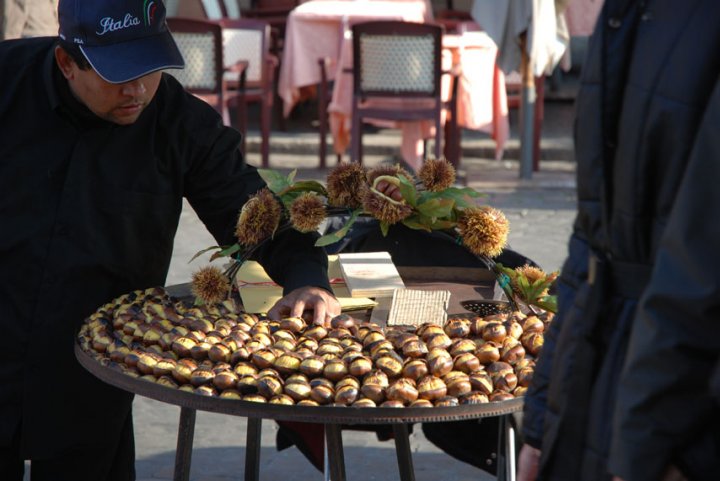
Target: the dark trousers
(105, 462)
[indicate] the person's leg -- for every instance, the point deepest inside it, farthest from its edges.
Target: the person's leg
(12, 466)
(91, 462)
(13, 15)
(41, 18)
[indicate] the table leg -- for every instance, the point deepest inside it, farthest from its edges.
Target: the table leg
(183, 453)
(506, 449)
(335, 456)
(402, 450)
(252, 449)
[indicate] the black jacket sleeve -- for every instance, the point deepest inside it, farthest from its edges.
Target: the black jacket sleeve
(664, 403)
(574, 272)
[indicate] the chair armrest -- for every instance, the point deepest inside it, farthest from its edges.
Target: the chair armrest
(240, 67)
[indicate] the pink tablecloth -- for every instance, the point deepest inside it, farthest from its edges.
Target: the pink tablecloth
(320, 29)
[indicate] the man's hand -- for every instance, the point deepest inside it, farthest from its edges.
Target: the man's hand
(390, 190)
(528, 463)
(321, 302)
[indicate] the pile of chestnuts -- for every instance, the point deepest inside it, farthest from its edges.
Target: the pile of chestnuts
(219, 351)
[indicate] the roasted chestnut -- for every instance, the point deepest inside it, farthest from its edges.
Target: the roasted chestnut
(206, 390)
(466, 362)
(335, 369)
(298, 390)
(473, 397)
(269, 386)
(439, 362)
(287, 363)
(375, 392)
(414, 348)
(364, 403)
(231, 394)
(360, 366)
(403, 390)
(457, 327)
(481, 382)
(431, 388)
(312, 366)
(415, 369)
(487, 353)
(254, 398)
(495, 332)
(282, 399)
(293, 324)
(346, 395)
(225, 380)
(460, 346)
(183, 345)
(421, 403)
(201, 376)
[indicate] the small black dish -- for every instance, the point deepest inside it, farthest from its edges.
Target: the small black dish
(487, 307)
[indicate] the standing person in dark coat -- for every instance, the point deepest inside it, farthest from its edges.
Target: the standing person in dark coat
(98, 148)
(622, 385)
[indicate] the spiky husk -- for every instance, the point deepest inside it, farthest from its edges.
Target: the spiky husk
(259, 218)
(484, 230)
(384, 208)
(346, 185)
(210, 285)
(532, 275)
(437, 174)
(393, 170)
(307, 212)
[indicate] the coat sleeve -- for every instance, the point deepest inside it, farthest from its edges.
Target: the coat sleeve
(664, 404)
(574, 272)
(217, 186)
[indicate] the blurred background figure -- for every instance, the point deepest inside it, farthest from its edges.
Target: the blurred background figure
(28, 18)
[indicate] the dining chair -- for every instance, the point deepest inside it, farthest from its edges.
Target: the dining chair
(200, 42)
(249, 40)
(398, 60)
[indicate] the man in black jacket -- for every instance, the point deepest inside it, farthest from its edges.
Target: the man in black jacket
(98, 148)
(622, 385)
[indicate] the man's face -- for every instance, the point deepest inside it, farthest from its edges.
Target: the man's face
(118, 103)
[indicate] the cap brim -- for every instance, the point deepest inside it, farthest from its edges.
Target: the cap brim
(126, 61)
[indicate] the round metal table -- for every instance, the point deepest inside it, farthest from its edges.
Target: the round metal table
(332, 417)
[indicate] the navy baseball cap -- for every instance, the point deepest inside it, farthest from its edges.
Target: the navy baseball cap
(121, 39)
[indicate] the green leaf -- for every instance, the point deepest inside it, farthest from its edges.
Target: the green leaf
(228, 251)
(463, 197)
(548, 303)
(305, 186)
(414, 222)
(436, 208)
(198, 254)
(275, 181)
(408, 191)
(384, 228)
(332, 238)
